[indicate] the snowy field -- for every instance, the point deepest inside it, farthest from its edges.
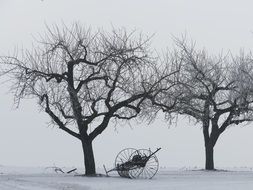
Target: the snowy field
(14, 178)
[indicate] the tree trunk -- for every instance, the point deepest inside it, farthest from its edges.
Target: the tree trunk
(89, 161)
(209, 157)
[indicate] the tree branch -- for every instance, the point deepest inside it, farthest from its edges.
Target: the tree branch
(56, 119)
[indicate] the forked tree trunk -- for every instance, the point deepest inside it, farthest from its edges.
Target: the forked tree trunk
(89, 161)
(209, 157)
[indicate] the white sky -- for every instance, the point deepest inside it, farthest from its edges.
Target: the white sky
(217, 25)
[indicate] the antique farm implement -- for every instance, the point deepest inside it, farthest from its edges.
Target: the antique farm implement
(132, 163)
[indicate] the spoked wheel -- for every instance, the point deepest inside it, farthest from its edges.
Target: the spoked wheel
(122, 160)
(145, 170)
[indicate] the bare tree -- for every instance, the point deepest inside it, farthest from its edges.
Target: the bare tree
(84, 80)
(215, 91)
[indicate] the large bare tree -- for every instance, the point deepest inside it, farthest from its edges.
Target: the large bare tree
(214, 90)
(84, 79)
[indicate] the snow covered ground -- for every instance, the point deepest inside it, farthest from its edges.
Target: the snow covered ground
(15, 178)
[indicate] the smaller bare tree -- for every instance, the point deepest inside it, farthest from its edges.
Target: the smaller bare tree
(84, 80)
(215, 91)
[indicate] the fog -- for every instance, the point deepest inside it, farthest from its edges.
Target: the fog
(218, 26)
